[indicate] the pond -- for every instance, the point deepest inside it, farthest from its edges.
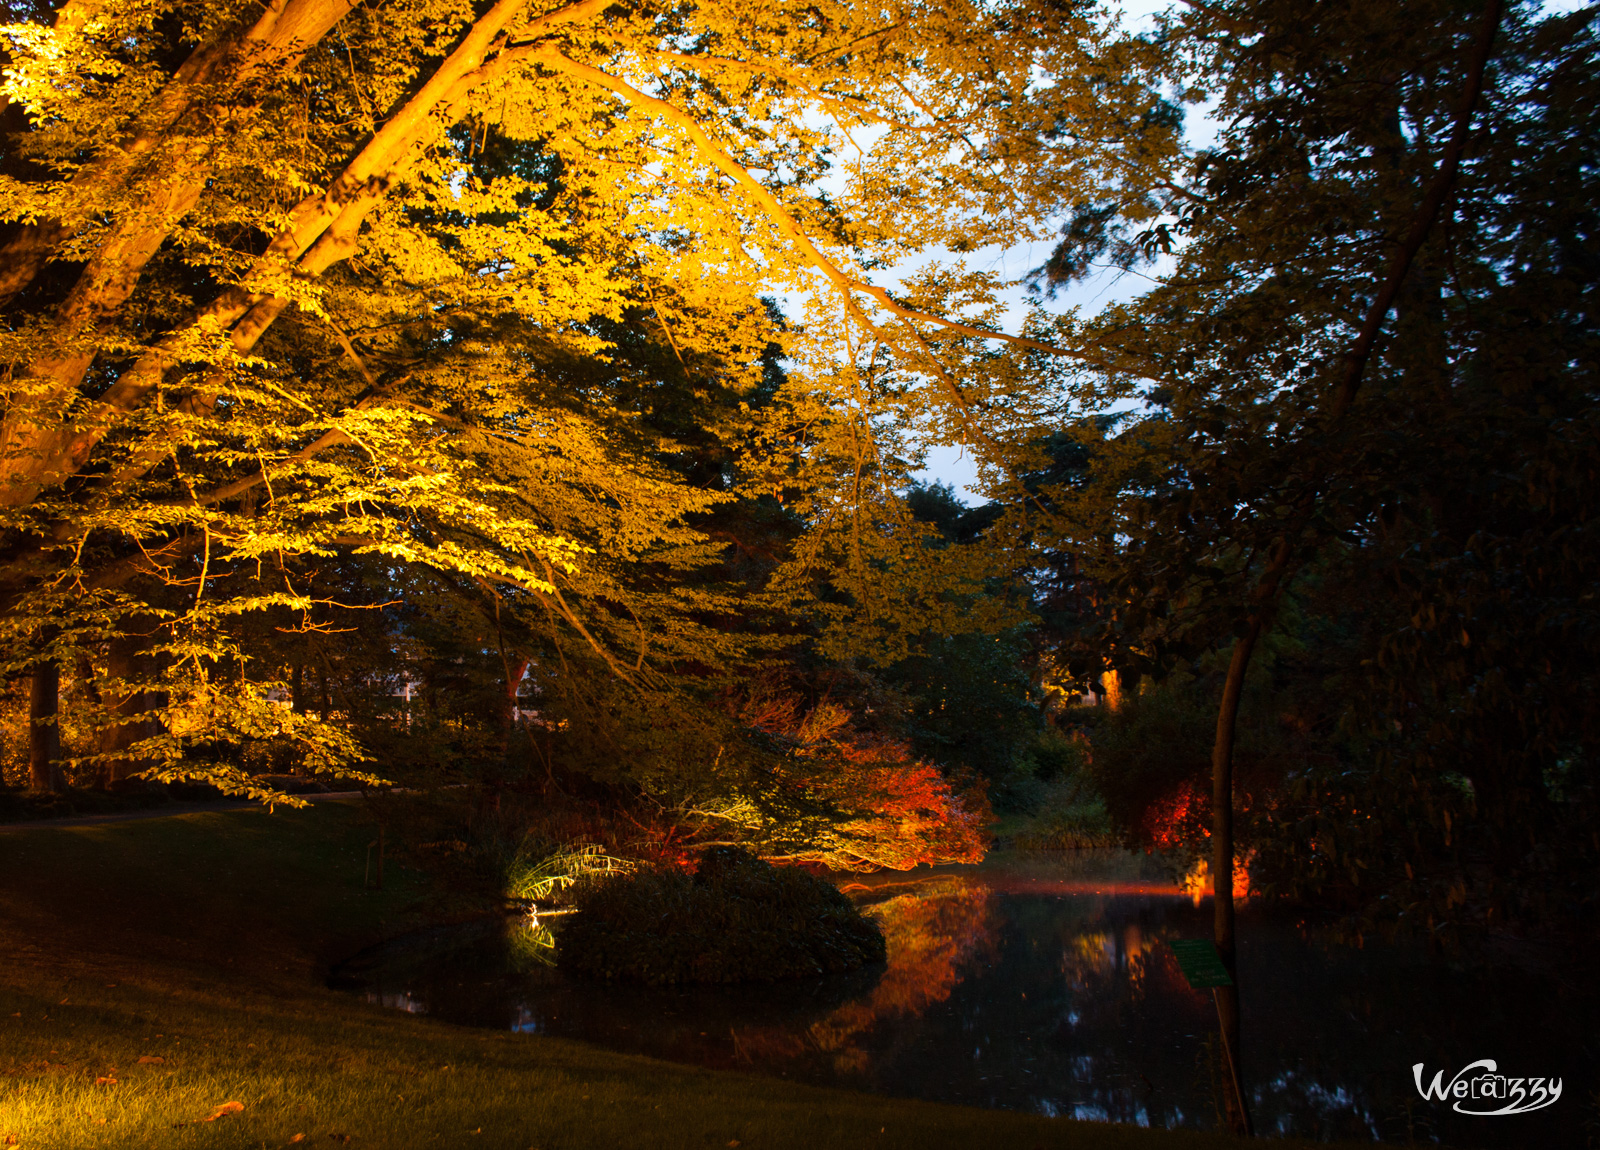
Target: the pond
(1043, 984)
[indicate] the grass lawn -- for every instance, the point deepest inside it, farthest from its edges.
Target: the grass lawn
(152, 971)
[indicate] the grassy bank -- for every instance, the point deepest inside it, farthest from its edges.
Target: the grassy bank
(152, 971)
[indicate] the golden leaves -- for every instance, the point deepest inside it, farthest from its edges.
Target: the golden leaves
(225, 1110)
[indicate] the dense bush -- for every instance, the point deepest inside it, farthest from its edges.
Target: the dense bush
(736, 919)
(1069, 817)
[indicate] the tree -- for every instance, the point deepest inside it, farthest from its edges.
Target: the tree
(319, 279)
(1337, 417)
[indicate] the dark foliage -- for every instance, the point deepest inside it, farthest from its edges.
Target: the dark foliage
(1440, 530)
(736, 919)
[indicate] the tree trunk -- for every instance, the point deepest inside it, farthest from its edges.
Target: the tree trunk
(515, 670)
(1222, 866)
(1266, 591)
(44, 730)
(128, 660)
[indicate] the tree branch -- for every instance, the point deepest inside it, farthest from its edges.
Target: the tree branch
(846, 284)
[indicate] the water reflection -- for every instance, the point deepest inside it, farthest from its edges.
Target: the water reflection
(1043, 986)
(935, 937)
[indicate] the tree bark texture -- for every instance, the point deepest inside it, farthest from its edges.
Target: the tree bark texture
(44, 731)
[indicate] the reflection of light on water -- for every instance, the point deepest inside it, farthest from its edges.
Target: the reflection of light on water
(1327, 1102)
(530, 944)
(402, 1001)
(935, 936)
(932, 936)
(1196, 882)
(1027, 988)
(1094, 955)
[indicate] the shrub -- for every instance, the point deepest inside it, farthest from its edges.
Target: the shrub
(736, 919)
(884, 807)
(1068, 819)
(537, 872)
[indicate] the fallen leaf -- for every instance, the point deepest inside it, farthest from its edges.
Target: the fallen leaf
(105, 1080)
(63, 1002)
(733, 1142)
(148, 1058)
(223, 1111)
(298, 1138)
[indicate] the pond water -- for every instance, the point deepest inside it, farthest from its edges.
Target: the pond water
(1043, 984)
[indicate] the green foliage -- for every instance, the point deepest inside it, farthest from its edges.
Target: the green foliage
(1067, 819)
(973, 701)
(536, 872)
(736, 919)
(1055, 787)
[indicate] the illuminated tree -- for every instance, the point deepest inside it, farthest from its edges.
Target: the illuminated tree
(314, 280)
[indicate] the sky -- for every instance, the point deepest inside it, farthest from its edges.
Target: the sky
(954, 465)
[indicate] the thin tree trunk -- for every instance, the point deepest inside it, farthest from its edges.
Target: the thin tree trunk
(1222, 864)
(44, 730)
(508, 716)
(1266, 591)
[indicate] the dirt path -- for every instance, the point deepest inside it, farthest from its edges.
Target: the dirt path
(166, 812)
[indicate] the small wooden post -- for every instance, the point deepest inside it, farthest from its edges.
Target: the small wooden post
(1241, 1111)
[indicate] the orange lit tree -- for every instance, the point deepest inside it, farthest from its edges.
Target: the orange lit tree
(314, 281)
